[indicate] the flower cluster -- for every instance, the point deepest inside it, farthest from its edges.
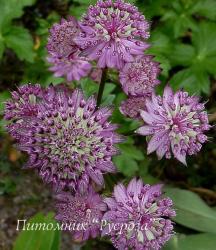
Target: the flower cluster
(82, 213)
(176, 123)
(113, 33)
(139, 78)
(68, 141)
(131, 107)
(22, 106)
(64, 54)
(143, 207)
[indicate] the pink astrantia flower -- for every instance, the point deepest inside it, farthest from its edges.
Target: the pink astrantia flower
(74, 67)
(139, 78)
(113, 32)
(132, 106)
(81, 213)
(22, 106)
(17, 108)
(61, 40)
(64, 54)
(69, 142)
(176, 123)
(140, 215)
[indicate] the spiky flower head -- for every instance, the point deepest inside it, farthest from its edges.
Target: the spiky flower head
(73, 67)
(68, 140)
(142, 214)
(112, 33)
(23, 102)
(61, 39)
(131, 107)
(64, 54)
(23, 105)
(139, 78)
(176, 123)
(81, 214)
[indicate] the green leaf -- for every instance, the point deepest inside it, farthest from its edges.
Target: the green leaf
(152, 8)
(192, 211)
(89, 87)
(39, 239)
(77, 11)
(202, 79)
(164, 64)
(126, 165)
(184, 79)
(11, 9)
(204, 241)
(144, 173)
(204, 40)
(108, 97)
(199, 58)
(210, 64)
(21, 42)
(206, 8)
(191, 80)
(127, 161)
(179, 17)
(182, 54)
(132, 151)
(160, 42)
(161, 47)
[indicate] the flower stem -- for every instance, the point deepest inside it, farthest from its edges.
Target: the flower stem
(101, 88)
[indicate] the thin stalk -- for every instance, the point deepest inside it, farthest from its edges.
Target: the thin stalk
(101, 88)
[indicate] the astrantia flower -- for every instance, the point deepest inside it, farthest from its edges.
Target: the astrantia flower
(132, 106)
(61, 40)
(23, 105)
(64, 54)
(176, 123)
(139, 78)
(143, 217)
(68, 141)
(113, 32)
(24, 102)
(72, 67)
(81, 213)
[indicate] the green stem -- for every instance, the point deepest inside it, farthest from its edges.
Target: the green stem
(101, 88)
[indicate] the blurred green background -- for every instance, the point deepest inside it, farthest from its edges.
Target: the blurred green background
(183, 37)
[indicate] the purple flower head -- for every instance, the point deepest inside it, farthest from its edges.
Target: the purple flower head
(68, 141)
(60, 41)
(22, 106)
(112, 33)
(72, 67)
(139, 78)
(140, 215)
(64, 54)
(23, 102)
(82, 213)
(176, 123)
(132, 106)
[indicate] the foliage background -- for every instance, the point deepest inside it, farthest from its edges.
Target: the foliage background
(183, 37)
